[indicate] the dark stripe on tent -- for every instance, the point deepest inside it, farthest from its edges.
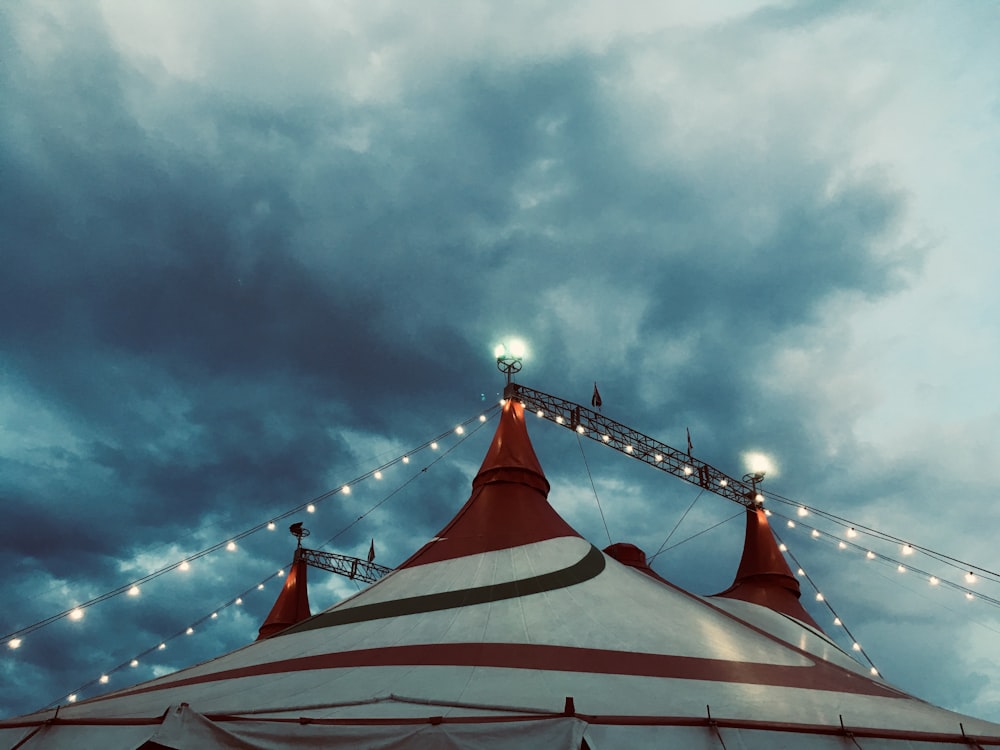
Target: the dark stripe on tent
(589, 567)
(819, 676)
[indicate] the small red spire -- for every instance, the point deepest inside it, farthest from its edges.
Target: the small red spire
(509, 504)
(764, 577)
(292, 605)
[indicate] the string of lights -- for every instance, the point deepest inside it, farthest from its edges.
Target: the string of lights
(237, 600)
(15, 638)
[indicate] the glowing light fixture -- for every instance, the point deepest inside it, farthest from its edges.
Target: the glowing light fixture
(406, 459)
(856, 646)
(870, 555)
(459, 430)
(271, 526)
(189, 631)
(346, 489)
(76, 614)
(723, 483)
(836, 621)
(606, 438)
(874, 672)
(281, 573)
(260, 586)
(161, 646)
(819, 597)
(815, 534)
(758, 463)
(310, 508)
(803, 512)
(239, 600)
(482, 417)
(901, 568)
(580, 429)
(852, 532)
(215, 615)
(658, 457)
(14, 643)
(104, 679)
(791, 523)
(970, 577)
(782, 547)
(134, 663)
(509, 355)
(133, 591)
(559, 420)
(629, 449)
(377, 475)
(907, 549)
(759, 498)
(934, 580)
(800, 572)
(969, 595)
(71, 698)
(767, 513)
(185, 565)
(842, 545)
(434, 446)
(540, 413)
(688, 471)
(231, 546)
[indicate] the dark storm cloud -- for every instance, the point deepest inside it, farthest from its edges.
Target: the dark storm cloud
(210, 292)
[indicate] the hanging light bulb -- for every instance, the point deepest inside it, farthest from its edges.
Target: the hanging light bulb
(76, 614)
(841, 545)
(377, 475)
(901, 568)
(791, 523)
(406, 459)
(782, 547)
(688, 471)
(767, 512)
(969, 595)
(836, 621)
(856, 646)
(759, 498)
(819, 597)
(815, 534)
(874, 672)
(14, 643)
(270, 526)
(260, 586)
(281, 573)
(559, 420)
(852, 532)
(215, 615)
(933, 580)
(71, 697)
(346, 489)
(310, 508)
(231, 546)
(970, 577)
(606, 438)
(434, 446)
(540, 413)
(580, 429)
(723, 482)
(161, 646)
(134, 663)
(800, 572)
(658, 457)
(134, 591)
(239, 600)
(185, 565)
(189, 631)
(803, 511)
(104, 679)
(907, 549)
(482, 417)
(870, 555)
(459, 430)
(629, 449)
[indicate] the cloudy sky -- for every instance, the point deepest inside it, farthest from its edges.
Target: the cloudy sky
(252, 251)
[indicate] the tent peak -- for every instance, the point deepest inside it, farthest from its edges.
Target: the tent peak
(509, 503)
(764, 577)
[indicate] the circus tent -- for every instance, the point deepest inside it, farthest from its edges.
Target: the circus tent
(508, 629)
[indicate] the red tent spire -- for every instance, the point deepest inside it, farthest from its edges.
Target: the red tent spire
(509, 503)
(292, 605)
(764, 577)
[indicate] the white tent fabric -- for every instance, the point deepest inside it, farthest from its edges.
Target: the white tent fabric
(510, 630)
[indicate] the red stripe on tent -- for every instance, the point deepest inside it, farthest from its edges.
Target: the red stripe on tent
(819, 676)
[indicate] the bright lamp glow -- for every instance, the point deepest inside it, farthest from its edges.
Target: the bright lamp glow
(134, 663)
(133, 591)
(76, 614)
(758, 463)
(517, 348)
(499, 350)
(104, 679)
(14, 643)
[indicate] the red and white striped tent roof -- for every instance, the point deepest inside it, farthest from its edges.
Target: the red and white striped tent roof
(510, 630)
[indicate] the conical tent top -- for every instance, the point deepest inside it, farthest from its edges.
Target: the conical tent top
(764, 577)
(292, 605)
(508, 506)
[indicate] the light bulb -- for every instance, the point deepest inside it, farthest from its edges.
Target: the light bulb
(231, 546)
(134, 591)
(459, 430)
(76, 614)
